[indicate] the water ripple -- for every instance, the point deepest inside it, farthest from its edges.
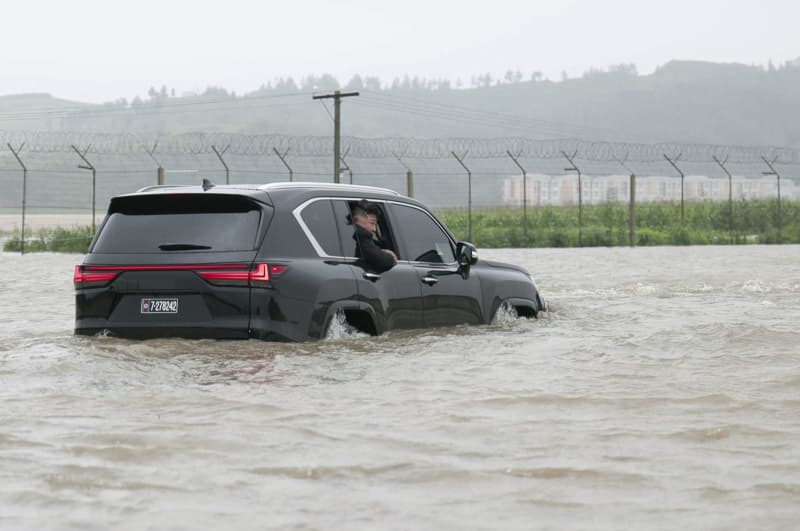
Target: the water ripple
(660, 390)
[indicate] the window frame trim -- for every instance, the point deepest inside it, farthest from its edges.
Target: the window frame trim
(297, 214)
(453, 243)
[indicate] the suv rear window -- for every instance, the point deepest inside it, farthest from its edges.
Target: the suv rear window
(174, 222)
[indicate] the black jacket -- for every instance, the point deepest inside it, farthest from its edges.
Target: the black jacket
(369, 252)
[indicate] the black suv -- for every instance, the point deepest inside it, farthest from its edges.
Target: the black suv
(279, 262)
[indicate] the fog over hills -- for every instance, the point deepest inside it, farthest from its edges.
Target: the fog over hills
(682, 101)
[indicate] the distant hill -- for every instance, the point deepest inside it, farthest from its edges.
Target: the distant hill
(35, 112)
(682, 101)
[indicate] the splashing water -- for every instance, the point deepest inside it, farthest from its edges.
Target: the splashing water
(506, 313)
(341, 329)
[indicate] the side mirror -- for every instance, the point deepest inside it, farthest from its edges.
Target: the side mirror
(466, 254)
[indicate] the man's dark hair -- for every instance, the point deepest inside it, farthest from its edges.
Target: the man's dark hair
(367, 207)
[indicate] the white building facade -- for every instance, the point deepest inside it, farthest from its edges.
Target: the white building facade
(563, 189)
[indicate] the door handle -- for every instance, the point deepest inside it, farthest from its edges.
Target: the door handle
(430, 280)
(372, 276)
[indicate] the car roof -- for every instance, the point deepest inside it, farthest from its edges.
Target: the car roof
(279, 193)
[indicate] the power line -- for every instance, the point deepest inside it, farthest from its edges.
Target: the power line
(146, 107)
(422, 105)
(327, 110)
(453, 117)
(403, 104)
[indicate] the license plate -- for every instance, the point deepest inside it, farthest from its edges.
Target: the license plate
(159, 306)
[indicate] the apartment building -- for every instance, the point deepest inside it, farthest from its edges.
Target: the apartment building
(563, 189)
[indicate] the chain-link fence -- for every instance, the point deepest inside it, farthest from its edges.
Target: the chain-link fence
(496, 192)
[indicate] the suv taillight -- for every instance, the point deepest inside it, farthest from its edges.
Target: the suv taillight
(91, 279)
(255, 275)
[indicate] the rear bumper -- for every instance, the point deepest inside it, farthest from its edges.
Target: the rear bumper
(274, 318)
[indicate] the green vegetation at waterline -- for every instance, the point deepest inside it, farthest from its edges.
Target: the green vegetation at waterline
(55, 240)
(754, 221)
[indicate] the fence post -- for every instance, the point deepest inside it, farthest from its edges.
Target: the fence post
(469, 192)
(409, 176)
(24, 192)
(524, 193)
(680, 172)
(344, 165)
(632, 213)
(160, 168)
(577, 170)
(730, 192)
(282, 156)
(89, 166)
(773, 171)
(219, 156)
(632, 204)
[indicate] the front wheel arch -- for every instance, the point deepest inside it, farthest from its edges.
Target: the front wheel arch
(359, 315)
(523, 307)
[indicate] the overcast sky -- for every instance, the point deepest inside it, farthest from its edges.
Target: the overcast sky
(100, 50)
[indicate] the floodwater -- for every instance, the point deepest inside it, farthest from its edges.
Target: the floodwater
(661, 391)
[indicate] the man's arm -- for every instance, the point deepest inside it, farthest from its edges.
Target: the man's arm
(372, 255)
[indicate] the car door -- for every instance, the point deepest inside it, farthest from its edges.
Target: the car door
(318, 284)
(394, 294)
(448, 296)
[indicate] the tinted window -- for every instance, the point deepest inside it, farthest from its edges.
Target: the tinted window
(154, 224)
(342, 211)
(318, 217)
(425, 240)
(346, 230)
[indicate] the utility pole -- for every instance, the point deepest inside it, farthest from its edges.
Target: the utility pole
(773, 171)
(680, 172)
(524, 193)
(337, 126)
(730, 193)
(88, 166)
(219, 156)
(282, 156)
(16, 153)
(577, 170)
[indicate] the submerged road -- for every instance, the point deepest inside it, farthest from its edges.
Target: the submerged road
(662, 391)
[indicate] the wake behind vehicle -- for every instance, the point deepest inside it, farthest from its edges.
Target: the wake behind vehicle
(279, 262)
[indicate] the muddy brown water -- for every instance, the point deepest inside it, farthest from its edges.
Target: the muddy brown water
(661, 391)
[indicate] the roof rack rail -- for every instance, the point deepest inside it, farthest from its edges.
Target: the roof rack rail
(326, 186)
(163, 186)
